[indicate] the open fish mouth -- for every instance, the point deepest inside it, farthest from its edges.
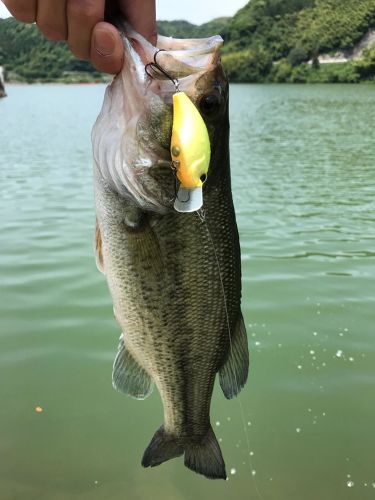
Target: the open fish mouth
(179, 57)
(131, 138)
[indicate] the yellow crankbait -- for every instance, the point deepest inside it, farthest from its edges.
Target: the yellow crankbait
(190, 151)
(190, 146)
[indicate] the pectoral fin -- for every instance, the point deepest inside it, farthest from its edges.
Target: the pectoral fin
(128, 376)
(233, 373)
(99, 249)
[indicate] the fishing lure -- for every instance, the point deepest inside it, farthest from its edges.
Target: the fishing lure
(190, 147)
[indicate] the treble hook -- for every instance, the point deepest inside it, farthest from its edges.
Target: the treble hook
(155, 66)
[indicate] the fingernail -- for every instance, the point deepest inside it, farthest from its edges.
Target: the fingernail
(104, 43)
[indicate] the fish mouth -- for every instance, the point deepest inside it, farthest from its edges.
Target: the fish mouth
(131, 138)
(180, 58)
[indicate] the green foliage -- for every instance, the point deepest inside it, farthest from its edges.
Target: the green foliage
(251, 65)
(217, 26)
(334, 24)
(281, 25)
(366, 66)
(299, 30)
(177, 29)
(334, 73)
(297, 56)
(256, 26)
(299, 74)
(281, 72)
(184, 29)
(29, 57)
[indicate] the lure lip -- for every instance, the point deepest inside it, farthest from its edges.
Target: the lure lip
(188, 200)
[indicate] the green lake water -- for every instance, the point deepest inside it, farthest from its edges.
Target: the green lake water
(303, 167)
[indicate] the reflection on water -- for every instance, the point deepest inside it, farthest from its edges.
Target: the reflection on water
(304, 188)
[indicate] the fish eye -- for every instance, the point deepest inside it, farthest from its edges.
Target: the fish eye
(210, 104)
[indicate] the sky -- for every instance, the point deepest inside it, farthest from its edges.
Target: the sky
(195, 11)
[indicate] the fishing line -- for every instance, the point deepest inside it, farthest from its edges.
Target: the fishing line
(201, 216)
(154, 70)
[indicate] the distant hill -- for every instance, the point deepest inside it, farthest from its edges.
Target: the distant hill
(291, 32)
(28, 56)
(184, 29)
(267, 40)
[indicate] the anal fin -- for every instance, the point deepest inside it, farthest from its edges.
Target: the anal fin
(233, 373)
(128, 376)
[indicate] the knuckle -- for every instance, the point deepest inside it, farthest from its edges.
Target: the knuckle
(24, 16)
(22, 11)
(79, 52)
(84, 8)
(52, 32)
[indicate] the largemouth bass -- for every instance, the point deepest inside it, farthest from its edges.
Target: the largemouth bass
(175, 278)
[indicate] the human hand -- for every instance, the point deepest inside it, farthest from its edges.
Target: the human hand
(81, 24)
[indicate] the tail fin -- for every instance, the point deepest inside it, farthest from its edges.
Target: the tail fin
(161, 448)
(204, 457)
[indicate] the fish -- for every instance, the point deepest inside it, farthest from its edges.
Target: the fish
(174, 278)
